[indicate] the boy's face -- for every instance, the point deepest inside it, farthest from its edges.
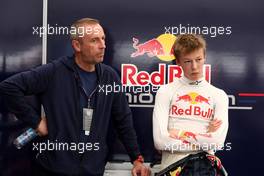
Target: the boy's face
(192, 64)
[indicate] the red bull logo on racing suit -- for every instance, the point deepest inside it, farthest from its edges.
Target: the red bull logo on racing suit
(192, 99)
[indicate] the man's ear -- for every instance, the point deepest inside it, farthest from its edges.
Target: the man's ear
(76, 45)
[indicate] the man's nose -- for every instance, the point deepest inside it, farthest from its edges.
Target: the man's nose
(102, 44)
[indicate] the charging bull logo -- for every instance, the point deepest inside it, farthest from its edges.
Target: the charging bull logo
(161, 47)
(193, 98)
(152, 48)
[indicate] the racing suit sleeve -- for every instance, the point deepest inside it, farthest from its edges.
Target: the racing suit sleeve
(161, 136)
(214, 140)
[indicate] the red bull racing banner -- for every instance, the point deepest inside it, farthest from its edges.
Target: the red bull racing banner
(141, 85)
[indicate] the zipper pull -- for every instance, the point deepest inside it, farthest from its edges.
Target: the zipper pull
(89, 103)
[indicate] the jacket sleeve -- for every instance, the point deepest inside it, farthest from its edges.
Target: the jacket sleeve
(15, 88)
(123, 121)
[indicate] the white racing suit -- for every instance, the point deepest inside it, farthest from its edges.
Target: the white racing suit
(188, 107)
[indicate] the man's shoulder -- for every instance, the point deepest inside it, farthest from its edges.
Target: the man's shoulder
(63, 60)
(106, 69)
(57, 62)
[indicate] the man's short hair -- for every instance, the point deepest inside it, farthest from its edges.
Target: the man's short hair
(77, 24)
(187, 43)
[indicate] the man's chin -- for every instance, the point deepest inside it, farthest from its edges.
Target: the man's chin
(99, 60)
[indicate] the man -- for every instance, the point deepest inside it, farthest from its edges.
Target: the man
(190, 115)
(77, 113)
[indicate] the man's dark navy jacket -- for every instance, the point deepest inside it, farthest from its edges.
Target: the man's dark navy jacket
(57, 84)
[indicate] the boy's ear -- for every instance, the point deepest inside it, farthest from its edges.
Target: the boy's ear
(177, 62)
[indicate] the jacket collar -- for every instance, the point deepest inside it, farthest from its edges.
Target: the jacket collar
(70, 63)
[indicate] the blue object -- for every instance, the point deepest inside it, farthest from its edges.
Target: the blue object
(24, 138)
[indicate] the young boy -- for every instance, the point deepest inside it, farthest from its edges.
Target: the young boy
(190, 118)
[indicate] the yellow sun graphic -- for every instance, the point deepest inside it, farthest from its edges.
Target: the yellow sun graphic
(167, 41)
(193, 95)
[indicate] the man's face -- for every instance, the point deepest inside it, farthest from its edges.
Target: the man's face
(192, 64)
(92, 44)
